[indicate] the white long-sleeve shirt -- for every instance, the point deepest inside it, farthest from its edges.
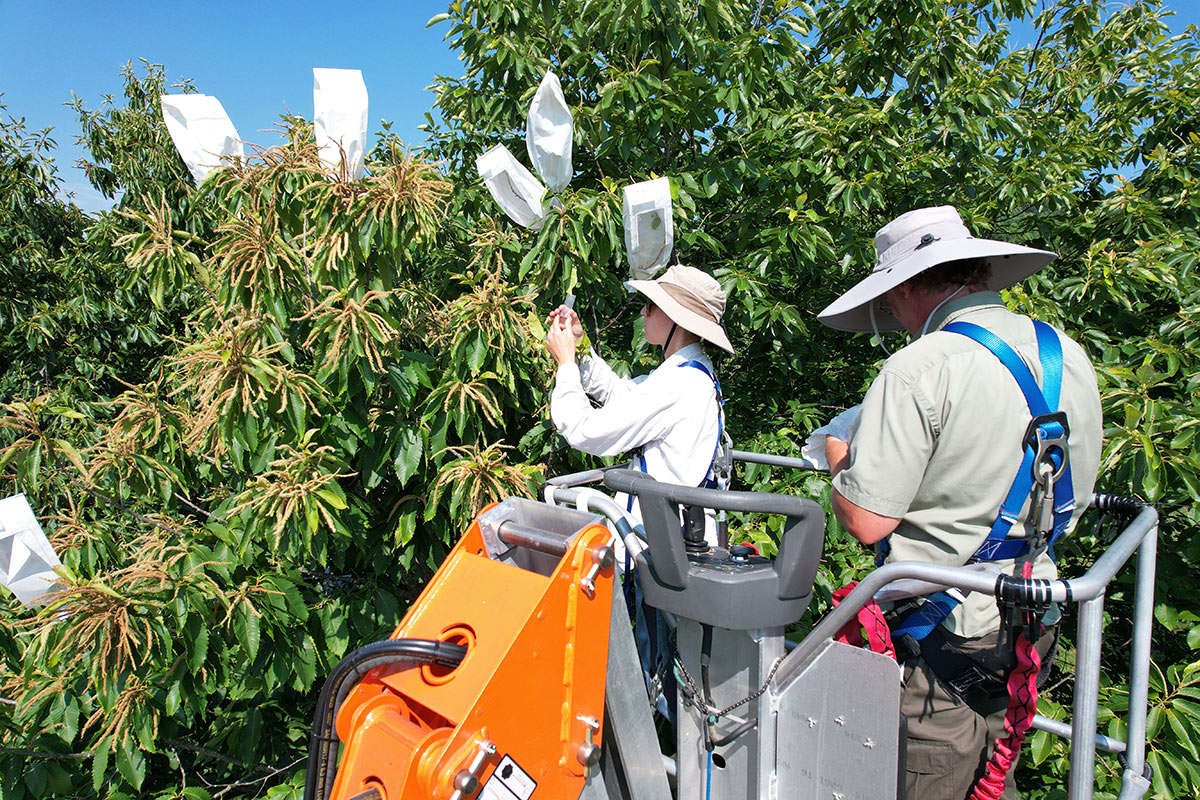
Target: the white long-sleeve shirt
(672, 413)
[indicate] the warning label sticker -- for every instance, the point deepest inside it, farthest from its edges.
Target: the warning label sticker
(508, 782)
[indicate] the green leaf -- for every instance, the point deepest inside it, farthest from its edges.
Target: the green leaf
(1183, 733)
(332, 499)
(409, 450)
(246, 625)
(99, 766)
(305, 666)
(476, 351)
(1166, 615)
(131, 764)
(197, 650)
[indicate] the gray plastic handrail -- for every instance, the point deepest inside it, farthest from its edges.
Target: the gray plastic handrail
(747, 456)
(580, 478)
(633, 482)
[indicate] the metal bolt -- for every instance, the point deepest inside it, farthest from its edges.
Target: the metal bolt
(588, 751)
(588, 754)
(602, 558)
(465, 782)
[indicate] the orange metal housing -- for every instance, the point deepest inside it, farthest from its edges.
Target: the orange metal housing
(532, 681)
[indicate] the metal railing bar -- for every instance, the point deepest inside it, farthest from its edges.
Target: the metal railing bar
(1083, 709)
(1061, 729)
(771, 460)
(1139, 659)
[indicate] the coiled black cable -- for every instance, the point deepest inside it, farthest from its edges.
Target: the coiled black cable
(1113, 507)
(322, 755)
(1118, 505)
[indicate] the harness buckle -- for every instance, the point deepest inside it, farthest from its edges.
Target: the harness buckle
(1041, 508)
(971, 677)
(1046, 441)
(1046, 435)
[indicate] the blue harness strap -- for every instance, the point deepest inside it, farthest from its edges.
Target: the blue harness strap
(709, 478)
(1048, 425)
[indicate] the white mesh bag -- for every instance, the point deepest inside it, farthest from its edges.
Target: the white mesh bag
(201, 131)
(340, 118)
(649, 229)
(548, 134)
(513, 187)
(27, 559)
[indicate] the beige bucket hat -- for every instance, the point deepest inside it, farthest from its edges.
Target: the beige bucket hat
(915, 242)
(692, 299)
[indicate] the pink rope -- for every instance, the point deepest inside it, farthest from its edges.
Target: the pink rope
(1022, 705)
(869, 620)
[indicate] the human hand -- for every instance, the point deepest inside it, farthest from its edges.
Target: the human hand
(837, 454)
(560, 342)
(566, 317)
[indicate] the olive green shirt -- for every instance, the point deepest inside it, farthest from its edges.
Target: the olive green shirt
(938, 443)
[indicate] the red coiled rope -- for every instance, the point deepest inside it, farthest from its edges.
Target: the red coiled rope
(1022, 705)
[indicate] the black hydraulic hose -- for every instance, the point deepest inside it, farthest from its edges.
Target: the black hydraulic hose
(322, 755)
(745, 727)
(710, 728)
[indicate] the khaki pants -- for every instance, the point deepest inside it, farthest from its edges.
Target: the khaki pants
(948, 743)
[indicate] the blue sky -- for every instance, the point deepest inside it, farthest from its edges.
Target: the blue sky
(256, 57)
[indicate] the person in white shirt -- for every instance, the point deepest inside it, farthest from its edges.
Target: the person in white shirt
(670, 420)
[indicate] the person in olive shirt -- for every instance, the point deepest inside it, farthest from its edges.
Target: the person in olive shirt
(933, 453)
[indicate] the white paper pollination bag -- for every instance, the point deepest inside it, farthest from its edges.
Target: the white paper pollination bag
(649, 229)
(513, 187)
(27, 560)
(548, 134)
(201, 131)
(340, 118)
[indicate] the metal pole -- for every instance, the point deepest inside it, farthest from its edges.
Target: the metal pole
(1139, 662)
(1063, 730)
(534, 538)
(1083, 712)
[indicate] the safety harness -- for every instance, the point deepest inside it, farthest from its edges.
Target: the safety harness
(1044, 474)
(1044, 478)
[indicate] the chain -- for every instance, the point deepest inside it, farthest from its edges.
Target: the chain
(695, 692)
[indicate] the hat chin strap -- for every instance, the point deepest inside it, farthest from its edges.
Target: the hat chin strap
(945, 300)
(875, 326)
(671, 335)
(924, 328)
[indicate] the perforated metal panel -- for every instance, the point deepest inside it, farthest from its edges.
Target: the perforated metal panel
(838, 727)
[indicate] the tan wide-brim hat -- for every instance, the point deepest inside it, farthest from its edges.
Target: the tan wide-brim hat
(915, 242)
(692, 299)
